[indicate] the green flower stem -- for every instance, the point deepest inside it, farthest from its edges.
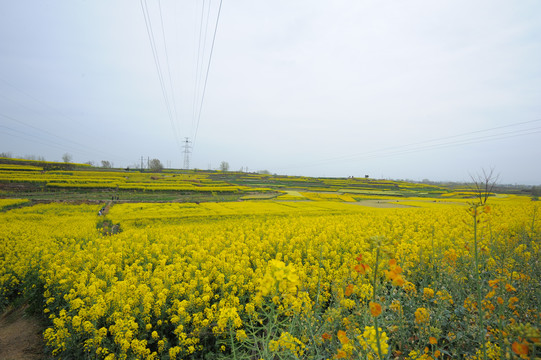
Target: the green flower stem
(232, 342)
(374, 285)
(374, 297)
(478, 281)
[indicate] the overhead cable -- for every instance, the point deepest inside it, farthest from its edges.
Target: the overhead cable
(168, 63)
(82, 147)
(150, 33)
(198, 64)
(207, 74)
(436, 144)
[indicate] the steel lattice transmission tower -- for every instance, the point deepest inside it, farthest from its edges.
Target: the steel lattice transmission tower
(187, 153)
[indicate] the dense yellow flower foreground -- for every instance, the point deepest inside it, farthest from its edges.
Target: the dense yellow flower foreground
(279, 280)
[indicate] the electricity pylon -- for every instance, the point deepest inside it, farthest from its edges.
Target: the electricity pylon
(187, 153)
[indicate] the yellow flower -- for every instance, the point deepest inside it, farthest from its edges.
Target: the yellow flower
(369, 340)
(396, 306)
(409, 287)
(512, 301)
(76, 321)
(428, 293)
(422, 315)
(241, 335)
(288, 342)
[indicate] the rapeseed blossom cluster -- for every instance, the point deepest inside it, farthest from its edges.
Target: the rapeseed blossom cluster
(422, 315)
(279, 278)
(369, 341)
(287, 342)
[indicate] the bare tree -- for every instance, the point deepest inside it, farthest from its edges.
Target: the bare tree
(106, 164)
(224, 166)
(155, 165)
(483, 184)
(67, 158)
(34, 157)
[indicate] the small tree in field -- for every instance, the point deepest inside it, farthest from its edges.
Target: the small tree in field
(224, 166)
(106, 164)
(155, 165)
(67, 158)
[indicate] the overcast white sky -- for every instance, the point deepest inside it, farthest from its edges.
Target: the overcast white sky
(392, 89)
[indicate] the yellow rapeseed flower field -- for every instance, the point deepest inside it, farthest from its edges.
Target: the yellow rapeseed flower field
(270, 279)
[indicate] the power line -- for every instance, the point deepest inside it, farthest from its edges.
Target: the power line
(150, 33)
(202, 67)
(198, 61)
(207, 74)
(200, 64)
(42, 103)
(461, 142)
(436, 139)
(413, 147)
(89, 150)
(27, 107)
(36, 100)
(82, 147)
(25, 136)
(167, 62)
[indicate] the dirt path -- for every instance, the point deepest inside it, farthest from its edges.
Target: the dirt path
(20, 336)
(105, 209)
(382, 203)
